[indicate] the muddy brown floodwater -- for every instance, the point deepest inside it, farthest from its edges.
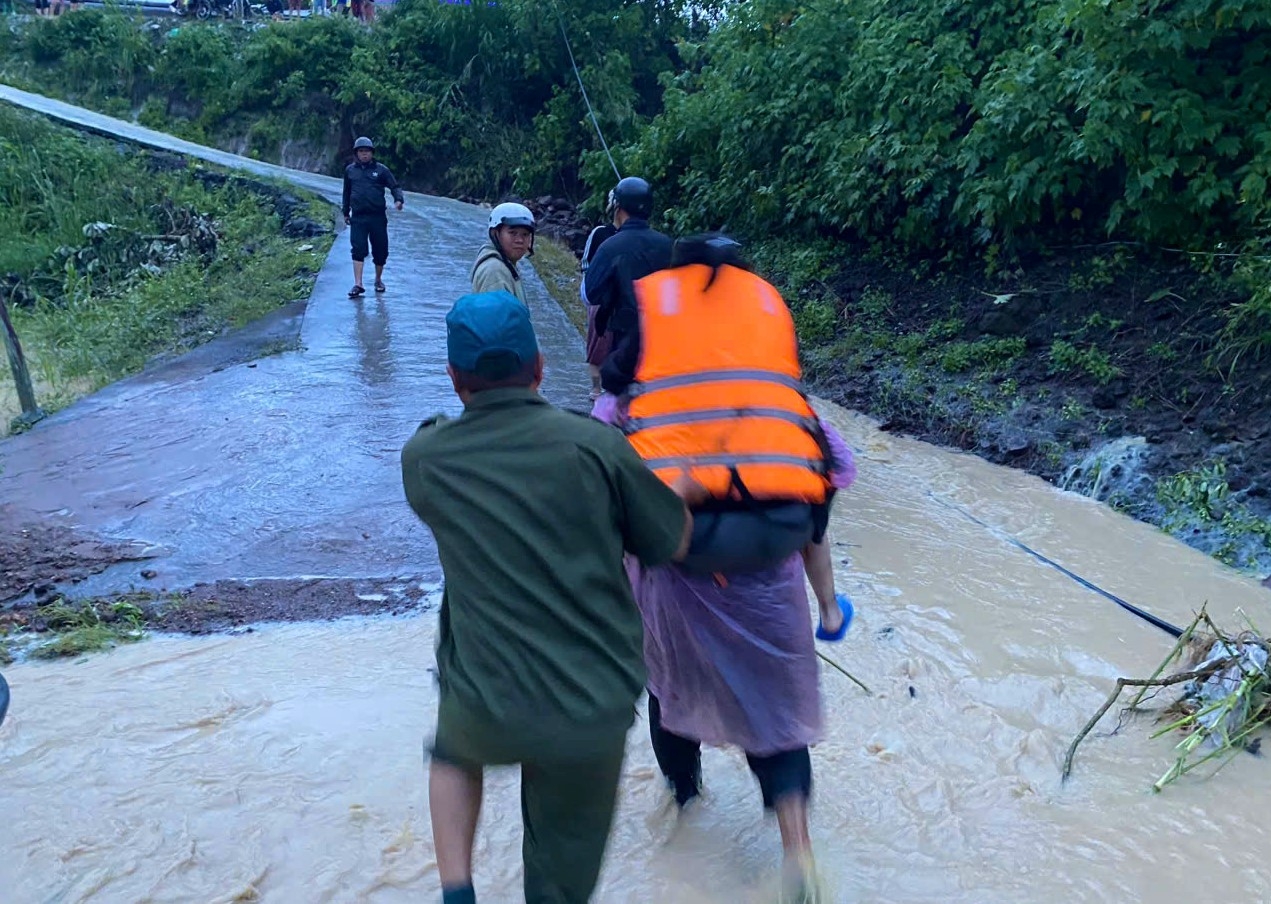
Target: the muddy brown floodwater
(285, 765)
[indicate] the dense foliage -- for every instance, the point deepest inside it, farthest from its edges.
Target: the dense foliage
(949, 124)
(470, 99)
(931, 125)
(932, 128)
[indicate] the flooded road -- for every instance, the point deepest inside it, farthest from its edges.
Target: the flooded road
(285, 765)
(286, 466)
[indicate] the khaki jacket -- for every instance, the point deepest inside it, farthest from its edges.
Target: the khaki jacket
(490, 272)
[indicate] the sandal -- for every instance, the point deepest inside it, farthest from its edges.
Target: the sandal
(845, 606)
(379, 285)
(356, 291)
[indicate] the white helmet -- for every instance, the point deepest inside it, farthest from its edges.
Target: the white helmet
(511, 214)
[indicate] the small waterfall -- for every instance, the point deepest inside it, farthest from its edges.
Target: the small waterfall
(1112, 473)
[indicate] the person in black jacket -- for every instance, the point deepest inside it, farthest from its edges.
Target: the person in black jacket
(365, 212)
(634, 251)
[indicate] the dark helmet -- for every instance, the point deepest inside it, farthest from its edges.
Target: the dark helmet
(633, 195)
(363, 142)
(714, 249)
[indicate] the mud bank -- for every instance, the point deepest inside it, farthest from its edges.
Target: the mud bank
(42, 562)
(220, 606)
(38, 553)
(1096, 370)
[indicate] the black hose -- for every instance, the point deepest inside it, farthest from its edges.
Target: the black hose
(1171, 630)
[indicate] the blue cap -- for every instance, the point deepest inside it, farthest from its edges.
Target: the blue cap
(490, 334)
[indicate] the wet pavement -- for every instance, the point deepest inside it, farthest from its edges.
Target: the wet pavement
(286, 466)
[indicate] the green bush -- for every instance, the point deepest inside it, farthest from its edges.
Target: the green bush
(200, 66)
(1246, 336)
(951, 126)
(1095, 363)
(816, 321)
(99, 53)
(982, 354)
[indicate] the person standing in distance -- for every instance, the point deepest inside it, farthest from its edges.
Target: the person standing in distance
(365, 212)
(510, 238)
(635, 251)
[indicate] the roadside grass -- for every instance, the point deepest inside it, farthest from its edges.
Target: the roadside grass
(1199, 506)
(62, 629)
(108, 260)
(558, 268)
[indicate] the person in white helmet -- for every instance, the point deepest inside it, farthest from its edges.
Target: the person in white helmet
(511, 237)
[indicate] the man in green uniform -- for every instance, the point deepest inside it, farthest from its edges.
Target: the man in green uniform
(539, 654)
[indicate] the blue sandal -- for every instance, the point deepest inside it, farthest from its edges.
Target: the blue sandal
(845, 605)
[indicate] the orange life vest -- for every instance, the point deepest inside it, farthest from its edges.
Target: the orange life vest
(718, 388)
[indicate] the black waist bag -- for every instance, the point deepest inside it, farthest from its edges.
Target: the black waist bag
(748, 540)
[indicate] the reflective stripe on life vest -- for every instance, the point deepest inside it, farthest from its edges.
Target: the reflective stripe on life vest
(718, 388)
(635, 425)
(715, 376)
(657, 464)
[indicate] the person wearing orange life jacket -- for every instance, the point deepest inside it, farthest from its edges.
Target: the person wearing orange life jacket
(728, 639)
(732, 409)
(744, 528)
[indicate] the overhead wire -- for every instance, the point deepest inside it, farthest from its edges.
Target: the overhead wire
(582, 88)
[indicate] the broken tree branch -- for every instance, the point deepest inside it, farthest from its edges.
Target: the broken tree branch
(1122, 684)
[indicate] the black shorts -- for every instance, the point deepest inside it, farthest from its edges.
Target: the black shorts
(372, 227)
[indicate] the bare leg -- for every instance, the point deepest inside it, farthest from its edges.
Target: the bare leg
(792, 820)
(357, 272)
(595, 380)
(379, 274)
(796, 846)
(819, 566)
(454, 800)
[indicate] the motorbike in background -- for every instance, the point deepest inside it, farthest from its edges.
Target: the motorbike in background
(208, 9)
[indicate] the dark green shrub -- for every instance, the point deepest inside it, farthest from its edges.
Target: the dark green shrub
(953, 126)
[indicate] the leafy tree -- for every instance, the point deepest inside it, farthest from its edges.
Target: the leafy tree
(947, 125)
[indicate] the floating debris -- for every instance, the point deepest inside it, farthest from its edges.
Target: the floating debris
(1225, 699)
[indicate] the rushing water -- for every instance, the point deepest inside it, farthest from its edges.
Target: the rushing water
(1113, 471)
(285, 764)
